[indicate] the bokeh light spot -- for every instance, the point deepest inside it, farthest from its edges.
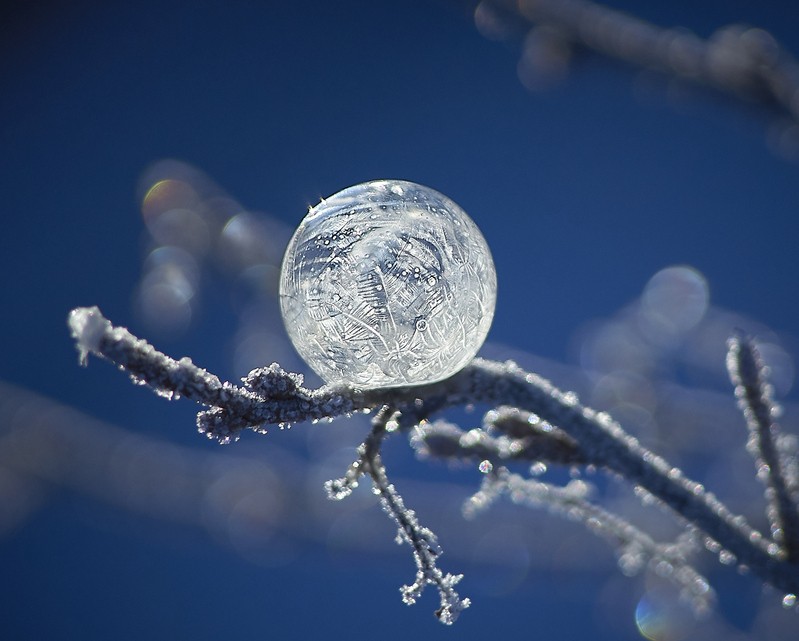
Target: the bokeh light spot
(167, 194)
(674, 301)
(651, 621)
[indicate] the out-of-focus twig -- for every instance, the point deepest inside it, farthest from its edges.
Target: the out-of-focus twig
(748, 374)
(745, 62)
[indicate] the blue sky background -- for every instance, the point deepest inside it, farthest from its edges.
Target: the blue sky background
(583, 192)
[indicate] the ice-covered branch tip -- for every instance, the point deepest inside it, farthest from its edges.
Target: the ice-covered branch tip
(269, 396)
(94, 334)
(774, 460)
(87, 326)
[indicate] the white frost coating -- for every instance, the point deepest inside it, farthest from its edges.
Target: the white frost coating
(87, 326)
(385, 284)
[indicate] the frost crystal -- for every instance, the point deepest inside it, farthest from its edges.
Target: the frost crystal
(386, 284)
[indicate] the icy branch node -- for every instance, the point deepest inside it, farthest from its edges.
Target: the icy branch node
(273, 382)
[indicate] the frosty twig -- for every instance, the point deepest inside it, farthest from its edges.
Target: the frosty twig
(634, 547)
(272, 396)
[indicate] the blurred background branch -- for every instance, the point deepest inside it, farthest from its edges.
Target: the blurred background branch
(741, 61)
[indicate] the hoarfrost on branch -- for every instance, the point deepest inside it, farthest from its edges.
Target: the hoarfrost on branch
(533, 421)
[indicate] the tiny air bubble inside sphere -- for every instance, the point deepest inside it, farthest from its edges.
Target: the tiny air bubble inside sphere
(409, 292)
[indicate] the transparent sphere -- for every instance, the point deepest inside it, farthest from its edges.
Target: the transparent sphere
(385, 284)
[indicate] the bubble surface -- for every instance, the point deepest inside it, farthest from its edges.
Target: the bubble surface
(386, 284)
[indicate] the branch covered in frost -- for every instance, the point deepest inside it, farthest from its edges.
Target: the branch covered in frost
(425, 550)
(508, 435)
(636, 548)
(271, 396)
(754, 393)
(422, 540)
(94, 334)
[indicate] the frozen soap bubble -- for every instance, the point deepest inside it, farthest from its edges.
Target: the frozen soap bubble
(385, 284)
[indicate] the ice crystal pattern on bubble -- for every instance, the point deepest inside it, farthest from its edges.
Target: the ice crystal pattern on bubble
(387, 283)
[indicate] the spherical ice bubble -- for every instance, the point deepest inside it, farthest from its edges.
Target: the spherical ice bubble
(387, 284)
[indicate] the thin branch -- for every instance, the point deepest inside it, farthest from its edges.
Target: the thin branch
(425, 549)
(749, 375)
(480, 382)
(635, 547)
(444, 440)
(422, 540)
(341, 488)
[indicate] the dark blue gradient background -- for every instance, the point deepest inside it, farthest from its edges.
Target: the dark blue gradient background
(583, 191)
